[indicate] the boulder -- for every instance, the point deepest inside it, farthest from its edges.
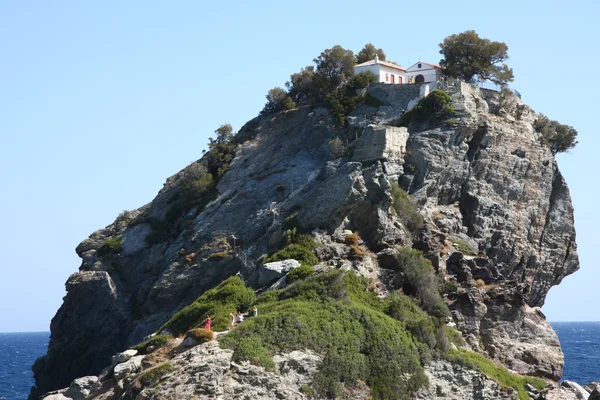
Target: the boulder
(57, 396)
(80, 388)
(577, 388)
(270, 272)
(123, 356)
(128, 367)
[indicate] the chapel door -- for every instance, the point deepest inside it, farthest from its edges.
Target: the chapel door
(393, 79)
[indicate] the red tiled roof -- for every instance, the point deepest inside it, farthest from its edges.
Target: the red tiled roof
(384, 63)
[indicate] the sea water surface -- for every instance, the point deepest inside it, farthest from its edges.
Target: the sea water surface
(580, 342)
(18, 351)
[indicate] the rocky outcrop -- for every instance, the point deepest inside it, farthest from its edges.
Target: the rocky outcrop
(498, 216)
(455, 382)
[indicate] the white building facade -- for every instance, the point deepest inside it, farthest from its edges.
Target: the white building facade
(386, 72)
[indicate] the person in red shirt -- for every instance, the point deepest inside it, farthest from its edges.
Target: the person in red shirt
(207, 323)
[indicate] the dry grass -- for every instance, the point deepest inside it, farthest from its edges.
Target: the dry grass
(200, 335)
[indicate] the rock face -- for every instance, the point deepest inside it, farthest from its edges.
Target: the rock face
(454, 382)
(485, 183)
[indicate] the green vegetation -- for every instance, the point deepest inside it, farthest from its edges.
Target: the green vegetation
(278, 100)
(153, 376)
(344, 99)
(418, 278)
(558, 137)
(302, 272)
(495, 371)
(229, 296)
(434, 108)
(195, 182)
(404, 208)
(296, 244)
(252, 348)
(221, 151)
(368, 52)
(335, 315)
(448, 286)
(156, 341)
(464, 247)
(200, 335)
(110, 247)
(474, 59)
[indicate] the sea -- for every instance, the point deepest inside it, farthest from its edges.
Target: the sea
(580, 342)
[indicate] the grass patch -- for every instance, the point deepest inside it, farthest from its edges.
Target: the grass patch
(464, 247)
(110, 247)
(496, 372)
(302, 272)
(418, 277)
(229, 296)
(153, 376)
(404, 208)
(157, 340)
(297, 245)
(334, 315)
(200, 335)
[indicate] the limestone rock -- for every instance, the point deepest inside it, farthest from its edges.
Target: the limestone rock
(123, 356)
(272, 271)
(128, 367)
(80, 388)
(455, 382)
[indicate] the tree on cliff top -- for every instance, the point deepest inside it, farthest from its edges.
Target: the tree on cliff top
(368, 53)
(314, 83)
(472, 59)
(559, 137)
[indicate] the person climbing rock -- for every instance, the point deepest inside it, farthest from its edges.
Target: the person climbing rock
(232, 320)
(240, 317)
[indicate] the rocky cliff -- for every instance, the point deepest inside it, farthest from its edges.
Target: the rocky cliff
(498, 227)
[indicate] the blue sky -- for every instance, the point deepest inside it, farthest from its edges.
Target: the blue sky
(101, 101)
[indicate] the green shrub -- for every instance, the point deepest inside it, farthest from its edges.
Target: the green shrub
(455, 337)
(435, 107)
(195, 182)
(496, 372)
(344, 100)
(110, 247)
(420, 278)
(156, 341)
(464, 247)
(296, 252)
(200, 335)
(448, 286)
(229, 296)
(404, 208)
(252, 348)
(358, 340)
(302, 272)
(298, 246)
(153, 376)
(278, 100)
(558, 137)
